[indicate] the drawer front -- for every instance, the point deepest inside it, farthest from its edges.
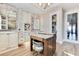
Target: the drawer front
(3, 41)
(13, 40)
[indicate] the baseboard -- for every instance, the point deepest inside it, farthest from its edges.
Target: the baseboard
(60, 42)
(4, 51)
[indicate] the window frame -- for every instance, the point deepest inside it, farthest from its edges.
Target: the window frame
(65, 26)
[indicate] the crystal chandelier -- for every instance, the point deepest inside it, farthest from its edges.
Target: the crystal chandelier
(42, 5)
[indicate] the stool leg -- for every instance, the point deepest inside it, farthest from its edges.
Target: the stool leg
(39, 54)
(35, 53)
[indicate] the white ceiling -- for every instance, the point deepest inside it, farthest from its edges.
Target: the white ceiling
(28, 7)
(31, 8)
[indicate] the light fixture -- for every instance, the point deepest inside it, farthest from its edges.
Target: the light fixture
(42, 5)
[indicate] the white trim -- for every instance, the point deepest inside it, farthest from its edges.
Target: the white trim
(50, 15)
(60, 42)
(71, 41)
(69, 54)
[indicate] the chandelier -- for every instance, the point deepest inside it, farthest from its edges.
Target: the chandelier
(41, 5)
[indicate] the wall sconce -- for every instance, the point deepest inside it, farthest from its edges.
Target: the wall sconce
(26, 26)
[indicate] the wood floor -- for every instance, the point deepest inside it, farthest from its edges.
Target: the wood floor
(21, 51)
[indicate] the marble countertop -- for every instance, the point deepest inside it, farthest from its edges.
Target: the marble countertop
(42, 35)
(7, 31)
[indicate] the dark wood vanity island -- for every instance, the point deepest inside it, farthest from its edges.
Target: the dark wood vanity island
(48, 41)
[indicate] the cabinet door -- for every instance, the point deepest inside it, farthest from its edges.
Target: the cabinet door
(3, 41)
(13, 40)
(21, 38)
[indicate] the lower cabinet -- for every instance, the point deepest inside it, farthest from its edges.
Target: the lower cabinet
(8, 41)
(3, 41)
(24, 37)
(13, 40)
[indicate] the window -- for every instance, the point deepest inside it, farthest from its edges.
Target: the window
(72, 26)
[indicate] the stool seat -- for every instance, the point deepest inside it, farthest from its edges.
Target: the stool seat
(38, 47)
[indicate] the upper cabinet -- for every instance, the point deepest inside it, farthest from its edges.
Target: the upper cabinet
(11, 20)
(7, 17)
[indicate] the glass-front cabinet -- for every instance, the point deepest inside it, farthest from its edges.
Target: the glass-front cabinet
(54, 20)
(71, 26)
(3, 17)
(11, 20)
(7, 17)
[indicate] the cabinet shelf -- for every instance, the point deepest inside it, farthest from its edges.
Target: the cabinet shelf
(8, 21)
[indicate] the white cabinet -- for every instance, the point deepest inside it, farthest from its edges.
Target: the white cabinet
(24, 37)
(7, 17)
(21, 37)
(13, 40)
(8, 41)
(3, 41)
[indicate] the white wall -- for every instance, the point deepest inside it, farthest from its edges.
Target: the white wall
(41, 23)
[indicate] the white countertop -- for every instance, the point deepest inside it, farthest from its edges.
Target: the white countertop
(7, 31)
(45, 36)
